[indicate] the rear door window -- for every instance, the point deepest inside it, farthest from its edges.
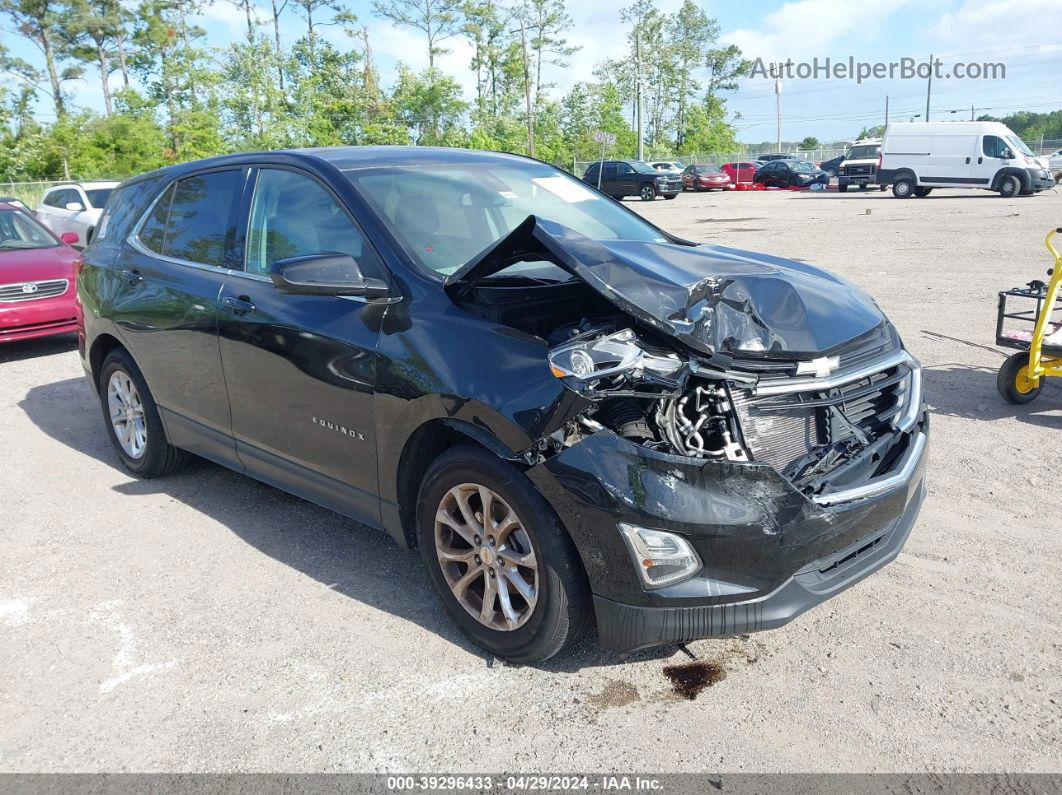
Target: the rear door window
(194, 219)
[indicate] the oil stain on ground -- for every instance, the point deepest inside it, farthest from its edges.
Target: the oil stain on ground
(615, 694)
(689, 679)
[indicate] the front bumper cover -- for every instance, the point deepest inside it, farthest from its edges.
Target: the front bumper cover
(769, 551)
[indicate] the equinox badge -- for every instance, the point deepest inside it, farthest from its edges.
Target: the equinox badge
(335, 426)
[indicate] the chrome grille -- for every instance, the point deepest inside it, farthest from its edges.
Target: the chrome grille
(32, 291)
(780, 429)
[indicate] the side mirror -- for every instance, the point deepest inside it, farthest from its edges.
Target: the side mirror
(70, 238)
(325, 273)
(74, 207)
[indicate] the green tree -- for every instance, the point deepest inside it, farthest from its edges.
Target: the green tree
(429, 105)
(38, 21)
(438, 20)
(91, 30)
(811, 142)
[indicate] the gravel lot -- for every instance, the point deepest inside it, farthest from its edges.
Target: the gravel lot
(206, 622)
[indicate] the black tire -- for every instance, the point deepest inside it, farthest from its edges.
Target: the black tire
(1010, 375)
(672, 196)
(882, 187)
(1009, 186)
(862, 186)
(562, 611)
(903, 188)
(843, 188)
(647, 192)
(159, 457)
(921, 193)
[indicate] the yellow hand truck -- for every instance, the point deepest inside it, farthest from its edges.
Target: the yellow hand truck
(1039, 356)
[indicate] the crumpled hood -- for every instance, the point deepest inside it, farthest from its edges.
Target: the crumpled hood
(712, 298)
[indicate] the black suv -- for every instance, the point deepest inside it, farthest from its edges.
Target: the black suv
(572, 414)
(633, 178)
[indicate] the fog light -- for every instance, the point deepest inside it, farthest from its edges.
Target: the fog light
(661, 558)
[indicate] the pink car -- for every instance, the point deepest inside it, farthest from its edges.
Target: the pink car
(37, 296)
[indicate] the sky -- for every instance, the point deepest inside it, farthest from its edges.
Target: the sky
(1024, 35)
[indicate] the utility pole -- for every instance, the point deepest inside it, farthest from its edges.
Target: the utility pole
(527, 92)
(886, 110)
(778, 111)
(638, 92)
(929, 86)
(971, 113)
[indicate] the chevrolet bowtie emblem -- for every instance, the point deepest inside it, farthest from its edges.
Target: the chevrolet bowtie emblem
(820, 368)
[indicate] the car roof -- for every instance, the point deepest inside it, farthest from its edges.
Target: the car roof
(92, 185)
(347, 158)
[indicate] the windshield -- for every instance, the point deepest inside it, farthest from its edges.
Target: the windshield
(98, 196)
(869, 152)
(18, 230)
(642, 168)
(801, 165)
(1018, 144)
(708, 169)
(445, 215)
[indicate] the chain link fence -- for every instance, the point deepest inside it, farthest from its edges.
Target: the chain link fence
(29, 193)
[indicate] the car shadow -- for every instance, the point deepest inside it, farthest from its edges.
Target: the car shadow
(40, 346)
(962, 390)
(350, 558)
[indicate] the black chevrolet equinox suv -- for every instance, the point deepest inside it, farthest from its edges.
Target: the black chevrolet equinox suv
(573, 415)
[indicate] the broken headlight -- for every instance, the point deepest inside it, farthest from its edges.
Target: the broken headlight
(619, 353)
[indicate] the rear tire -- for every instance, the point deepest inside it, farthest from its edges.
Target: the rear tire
(647, 192)
(842, 188)
(903, 188)
(558, 610)
(140, 440)
(921, 193)
(672, 196)
(1009, 186)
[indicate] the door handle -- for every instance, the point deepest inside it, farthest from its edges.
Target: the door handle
(968, 161)
(980, 160)
(133, 276)
(239, 306)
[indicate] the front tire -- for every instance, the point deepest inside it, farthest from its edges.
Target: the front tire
(903, 188)
(1009, 186)
(921, 193)
(1013, 380)
(498, 558)
(648, 193)
(132, 418)
(843, 187)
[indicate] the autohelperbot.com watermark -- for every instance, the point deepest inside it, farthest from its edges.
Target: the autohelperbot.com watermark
(852, 69)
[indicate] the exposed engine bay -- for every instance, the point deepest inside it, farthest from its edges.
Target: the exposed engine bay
(724, 368)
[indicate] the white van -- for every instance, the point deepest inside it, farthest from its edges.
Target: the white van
(917, 157)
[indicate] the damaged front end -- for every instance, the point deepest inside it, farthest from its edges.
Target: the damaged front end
(755, 418)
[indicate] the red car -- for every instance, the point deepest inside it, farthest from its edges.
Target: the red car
(740, 172)
(37, 296)
(704, 177)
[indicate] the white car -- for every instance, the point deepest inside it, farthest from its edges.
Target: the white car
(1054, 164)
(668, 166)
(74, 207)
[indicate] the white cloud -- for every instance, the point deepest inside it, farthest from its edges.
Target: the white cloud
(804, 29)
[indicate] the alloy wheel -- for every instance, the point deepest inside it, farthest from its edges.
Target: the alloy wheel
(486, 557)
(127, 414)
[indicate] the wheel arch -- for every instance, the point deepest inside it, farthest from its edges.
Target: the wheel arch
(101, 347)
(1010, 171)
(426, 443)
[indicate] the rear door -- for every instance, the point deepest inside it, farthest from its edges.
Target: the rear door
(610, 180)
(626, 180)
(165, 300)
(56, 216)
(745, 172)
(300, 369)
